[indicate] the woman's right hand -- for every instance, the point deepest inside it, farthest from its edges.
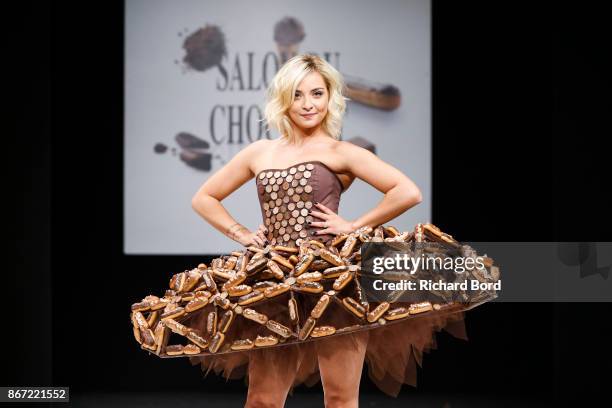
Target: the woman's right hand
(257, 238)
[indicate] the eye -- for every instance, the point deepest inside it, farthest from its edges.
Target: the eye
(318, 93)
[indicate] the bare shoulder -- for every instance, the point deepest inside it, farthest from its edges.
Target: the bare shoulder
(250, 153)
(349, 153)
(350, 149)
(259, 145)
(365, 165)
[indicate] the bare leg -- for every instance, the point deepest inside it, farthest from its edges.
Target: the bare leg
(340, 365)
(270, 383)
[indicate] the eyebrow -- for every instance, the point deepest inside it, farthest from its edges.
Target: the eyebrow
(315, 89)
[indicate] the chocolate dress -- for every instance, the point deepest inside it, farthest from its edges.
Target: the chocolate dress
(393, 350)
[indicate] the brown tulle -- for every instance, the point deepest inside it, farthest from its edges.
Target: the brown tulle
(392, 352)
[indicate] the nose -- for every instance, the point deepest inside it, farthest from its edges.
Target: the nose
(306, 105)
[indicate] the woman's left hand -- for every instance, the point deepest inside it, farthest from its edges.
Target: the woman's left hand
(331, 222)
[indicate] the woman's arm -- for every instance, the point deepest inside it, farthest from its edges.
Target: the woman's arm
(207, 200)
(400, 192)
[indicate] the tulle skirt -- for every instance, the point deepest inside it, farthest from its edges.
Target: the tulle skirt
(392, 351)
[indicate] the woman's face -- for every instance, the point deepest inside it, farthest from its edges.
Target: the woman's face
(310, 104)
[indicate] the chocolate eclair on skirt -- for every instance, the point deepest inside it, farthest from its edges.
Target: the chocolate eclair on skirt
(281, 303)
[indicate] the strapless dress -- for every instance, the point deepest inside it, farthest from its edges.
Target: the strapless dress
(284, 300)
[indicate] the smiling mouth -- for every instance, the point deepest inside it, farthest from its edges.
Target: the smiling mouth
(309, 115)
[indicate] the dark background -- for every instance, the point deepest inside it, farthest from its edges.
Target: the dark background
(520, 117)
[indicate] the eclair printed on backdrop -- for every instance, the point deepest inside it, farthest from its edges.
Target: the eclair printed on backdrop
(195, 78)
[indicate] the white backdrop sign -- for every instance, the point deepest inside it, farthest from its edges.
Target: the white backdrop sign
(195, 76)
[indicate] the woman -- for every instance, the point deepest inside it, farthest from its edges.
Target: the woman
(305, 104)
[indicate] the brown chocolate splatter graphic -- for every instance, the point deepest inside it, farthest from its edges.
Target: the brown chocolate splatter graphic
(197, 159)
(160, 148)
(289, 30)
(205, 48)
(288, 34)
(195, 151)
(189, 141)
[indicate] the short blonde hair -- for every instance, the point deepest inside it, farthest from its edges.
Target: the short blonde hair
(281, 94)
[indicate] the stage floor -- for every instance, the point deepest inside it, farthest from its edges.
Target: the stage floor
(181, 399)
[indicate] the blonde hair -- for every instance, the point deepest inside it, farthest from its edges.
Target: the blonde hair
(281, 94)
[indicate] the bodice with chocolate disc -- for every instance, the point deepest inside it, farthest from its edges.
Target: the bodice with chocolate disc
(287, 195)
